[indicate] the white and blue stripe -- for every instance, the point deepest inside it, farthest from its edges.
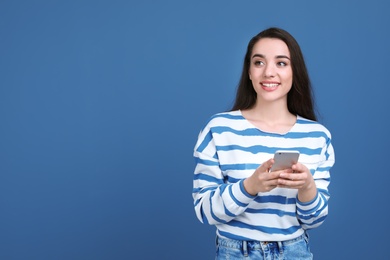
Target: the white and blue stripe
(229, 149)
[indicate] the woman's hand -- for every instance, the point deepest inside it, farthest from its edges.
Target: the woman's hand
(299, 177)
(262, 180)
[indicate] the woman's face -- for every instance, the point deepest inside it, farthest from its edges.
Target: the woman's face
(270, 69)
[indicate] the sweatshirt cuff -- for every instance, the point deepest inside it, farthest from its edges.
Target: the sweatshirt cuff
(310, 206)
(240, 195)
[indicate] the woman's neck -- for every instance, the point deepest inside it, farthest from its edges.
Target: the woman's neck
(271, 117)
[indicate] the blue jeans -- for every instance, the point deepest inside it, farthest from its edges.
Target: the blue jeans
(294, 249)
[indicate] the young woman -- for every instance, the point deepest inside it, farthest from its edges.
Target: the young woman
(258, 213)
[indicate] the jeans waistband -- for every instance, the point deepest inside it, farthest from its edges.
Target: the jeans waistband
(257, 245)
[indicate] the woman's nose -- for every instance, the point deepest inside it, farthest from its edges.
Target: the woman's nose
(269, 71)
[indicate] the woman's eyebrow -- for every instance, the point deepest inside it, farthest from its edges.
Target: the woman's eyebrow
(282, 57)
(258, 55)
(277, 57)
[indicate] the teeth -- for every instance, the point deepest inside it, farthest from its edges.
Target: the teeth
(270, 85)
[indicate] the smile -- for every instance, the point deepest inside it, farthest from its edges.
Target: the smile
(270, 85)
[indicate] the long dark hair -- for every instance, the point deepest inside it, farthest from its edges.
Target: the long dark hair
(300, 99)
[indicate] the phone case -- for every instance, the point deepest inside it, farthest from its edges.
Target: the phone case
(284, 160)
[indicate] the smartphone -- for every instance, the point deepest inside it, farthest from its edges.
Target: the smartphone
(284, 159)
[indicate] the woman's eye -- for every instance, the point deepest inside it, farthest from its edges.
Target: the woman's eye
(258, 63)
(282, 64)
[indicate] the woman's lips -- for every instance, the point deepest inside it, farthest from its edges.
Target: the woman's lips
(269, 86)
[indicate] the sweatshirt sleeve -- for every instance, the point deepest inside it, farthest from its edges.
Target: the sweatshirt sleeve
(313, 213)
(215, 201)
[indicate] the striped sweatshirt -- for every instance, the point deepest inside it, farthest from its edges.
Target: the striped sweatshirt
(229, 149)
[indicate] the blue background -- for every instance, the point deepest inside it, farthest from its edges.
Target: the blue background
(101, 103)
